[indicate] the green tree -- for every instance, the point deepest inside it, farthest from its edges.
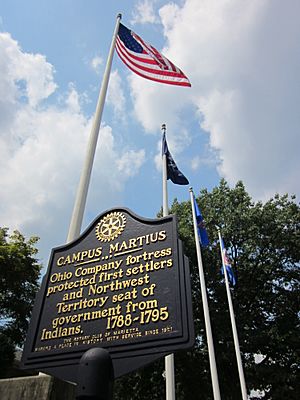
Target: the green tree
(263, 241)
(19, 274)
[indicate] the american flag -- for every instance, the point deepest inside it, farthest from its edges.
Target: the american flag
(146, 61)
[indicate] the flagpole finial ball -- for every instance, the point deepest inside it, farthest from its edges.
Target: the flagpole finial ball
(163, 127)
(190, 189)
(119, 15)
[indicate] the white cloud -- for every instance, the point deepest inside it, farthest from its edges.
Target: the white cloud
(73, 99)
(243, 63)
(155, 104)
(42, 150)
(130, 162)
(144, 13)
(31, 72)
(115, 96)
(209, 160)
(96, 64)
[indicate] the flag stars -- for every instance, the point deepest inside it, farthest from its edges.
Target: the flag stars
(132, 44)
(127, 38)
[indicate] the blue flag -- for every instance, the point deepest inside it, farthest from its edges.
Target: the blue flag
(201, 226)
(173, 172)
(227, 264)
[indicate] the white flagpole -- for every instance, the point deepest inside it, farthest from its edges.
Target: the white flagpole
(210, 343)
(233, 325)
(169, 360)
(80, 201)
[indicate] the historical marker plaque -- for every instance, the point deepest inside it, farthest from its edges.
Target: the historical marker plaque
(122, 285)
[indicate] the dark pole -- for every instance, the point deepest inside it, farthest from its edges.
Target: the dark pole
(95, 375)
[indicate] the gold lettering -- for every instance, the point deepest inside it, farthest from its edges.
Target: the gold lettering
(84, 256)
(142, 305)
(125, 296)
(73, 295)
(137, 242)
(60, 332)
(113, 248)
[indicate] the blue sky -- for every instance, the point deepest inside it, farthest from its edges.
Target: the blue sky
(239, 120)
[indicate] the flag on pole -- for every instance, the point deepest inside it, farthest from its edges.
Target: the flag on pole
(201, 226)
(227, 264)
(197, 217)
(173, 172)
(229, 274)
(146, 61)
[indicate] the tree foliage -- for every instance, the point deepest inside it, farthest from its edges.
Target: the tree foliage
(19, 274)
(263, 242)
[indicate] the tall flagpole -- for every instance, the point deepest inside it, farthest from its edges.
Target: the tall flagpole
(233, 325)
(210, 343)
(169, 360)
(80, 201)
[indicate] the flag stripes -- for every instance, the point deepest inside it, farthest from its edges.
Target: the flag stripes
(146, 61)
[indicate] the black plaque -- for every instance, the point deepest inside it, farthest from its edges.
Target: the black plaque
(122, 285)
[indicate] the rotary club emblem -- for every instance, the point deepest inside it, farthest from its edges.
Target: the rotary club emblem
(110, 226)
